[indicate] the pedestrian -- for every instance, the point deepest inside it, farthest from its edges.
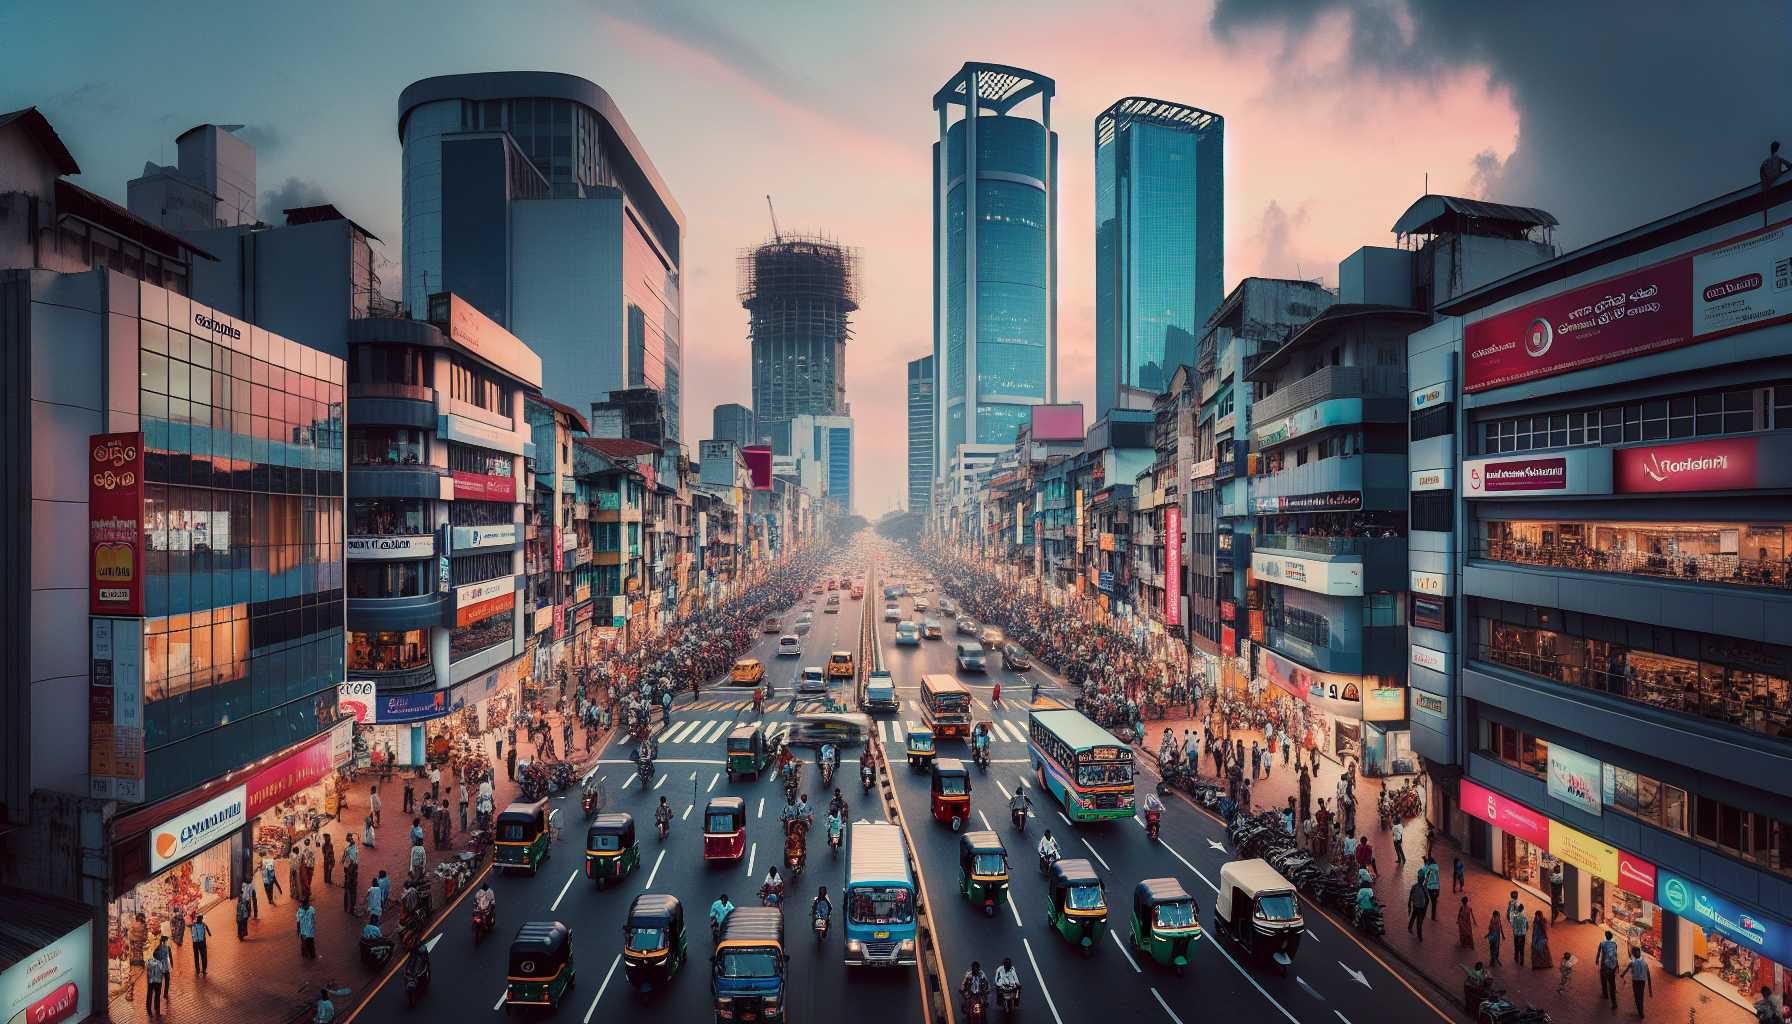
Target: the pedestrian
(1606, 959)
(367, 829)
(1639, 978)
(1566, 970)
(329, 860)
(1458, 878)
(1540, 959)
(351, 871)
(242, 913)
(417, 831)
(1433, 882)
(306, 920)
(376, 900)
(435, 782)
(155, 973)
(268, 880)
(373, 802)
(1521, 926)
(1767, 1008)
(165, 954)
(1418, 898)
(1496, 937)
(463, 807)
(510, 762)
(410, 797)
(293, 879)
(1365, 857)
(1556, 889)
(199, 932)
(1465, 925)
(500, 748)
(1399, 848)
(176, 925)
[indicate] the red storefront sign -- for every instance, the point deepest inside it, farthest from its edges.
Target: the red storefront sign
(288, 776)
(1507, 815)
(759, 466)
(1636, 876)
(1721, 464)
(1547, 474)
(479, 611)
(1173, 565)
(1228, 640)
(483, 487)
(115, 524)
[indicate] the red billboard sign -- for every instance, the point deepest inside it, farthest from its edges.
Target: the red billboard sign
(759, 466)
(1506, 814)
(1056, 422)
(483, 487)
(1173, 564)
(1720, 464)
(1636, 876)
(115, 524)
(288, 776)
(1546, 474)
(1732, 286)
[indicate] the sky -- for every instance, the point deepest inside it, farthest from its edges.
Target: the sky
(1338, 113)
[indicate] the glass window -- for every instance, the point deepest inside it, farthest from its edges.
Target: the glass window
(385, 446)
(1739, 554)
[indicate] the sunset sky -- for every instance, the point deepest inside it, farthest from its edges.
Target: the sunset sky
(1607, 116)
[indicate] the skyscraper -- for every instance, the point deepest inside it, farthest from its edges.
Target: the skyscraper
(920, 434)
(1159, 273)
(527, 194)
(995, 292)
(734, 422)
(799, 292)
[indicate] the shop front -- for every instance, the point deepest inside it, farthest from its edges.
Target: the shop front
(45, 982)
(1345, 717)
(1729, 948)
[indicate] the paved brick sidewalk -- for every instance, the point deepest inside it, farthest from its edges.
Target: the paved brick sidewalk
(264, 978)
(1438, 957)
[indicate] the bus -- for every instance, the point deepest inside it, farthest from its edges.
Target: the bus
(879, 898)
(1082, 764)
(945, 705)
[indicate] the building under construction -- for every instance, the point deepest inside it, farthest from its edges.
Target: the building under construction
(799, 292)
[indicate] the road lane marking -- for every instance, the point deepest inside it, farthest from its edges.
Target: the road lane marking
(985, 819)
(628, 781)
(761, 812)
(499, 1005)
(1127, 953)
(693, 776)
(752, 852)
(1216, 947)
(655, 873)
(666, 760)
(1189, 866)
(660, 783)
(686, 816)
(1341, 1016)
(712, 782)
(1066, 818)
(568, 885)
(1008, 897)
(601, 988)
(1098, 857)
(1302, 982)
(1166, 1006)
(1046, 992)
(676, 735)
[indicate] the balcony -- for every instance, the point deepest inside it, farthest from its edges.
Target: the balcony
(396, 481)
(1332, 382)
(397, 614)
(379, 403)
(422, 677)
(1311, 545)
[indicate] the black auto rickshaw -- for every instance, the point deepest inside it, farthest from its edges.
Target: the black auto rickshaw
(541, 968)
(610, 848)
(919, 747)
(983, 870)
(1165, 922)
(1258, 908)
(522, 836)
(653, 941)
(747, 752)
(951, 792)
(1078, 906)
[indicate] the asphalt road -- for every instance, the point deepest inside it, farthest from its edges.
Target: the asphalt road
(1333, 979)
(468, 980)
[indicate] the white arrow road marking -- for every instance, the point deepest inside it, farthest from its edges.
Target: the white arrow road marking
(752, 851)
(1302, 982)
(1049, 1003)
(655, 873)
(1098, 857)
(568, 885)
(693, 776)
(1166, 1006)
(1217, 845)
(1127, 953)
(1356, 975)
(600, 989)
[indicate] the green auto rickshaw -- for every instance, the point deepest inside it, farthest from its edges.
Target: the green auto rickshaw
(748, 753)
(1165, 922)
(541, 969)
(610, 848)
(1078, 907)
(983, 870)
(653, 941)
(919, 745)
(522, 834)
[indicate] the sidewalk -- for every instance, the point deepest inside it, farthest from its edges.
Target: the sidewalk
(1439, 956)
(264, 978)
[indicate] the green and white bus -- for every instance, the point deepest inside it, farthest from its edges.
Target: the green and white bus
(1082, 764)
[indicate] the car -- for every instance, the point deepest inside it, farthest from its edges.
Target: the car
(920, 604)
(930, 630)
(840, 665)
(967, 626)
(804, 622)
(858, 593)
(747, 672)
(1015, 658)
(908, 634)
(880, 693)
(833, 585)
(948, 606)
(892, 612)
(970, 657)
(789, 644)
(817, 589)
(991, 636)
(833, 608)
(812, 680)
(772, 626)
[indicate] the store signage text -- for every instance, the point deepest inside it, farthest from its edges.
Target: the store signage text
(197, 828)
(467, 538)
(1339, 579)
(115, 524)
(478, 592)
(1434, 583)
(296, 772)
(1505, 814)
(1426, 397)
(1701, 906)
(206, 323)
(1575, 779)
(1324, 501)
(1519, 475)
(1431, 479)
(1436, 661)
(483, 487)
(1173, 565)
(357, 700)
(115, 768)
(1430, 703)
(419, 546)
(53, 985)
(1719, 464)
(414, 707)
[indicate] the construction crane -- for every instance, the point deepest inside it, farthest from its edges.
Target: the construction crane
(777, 236)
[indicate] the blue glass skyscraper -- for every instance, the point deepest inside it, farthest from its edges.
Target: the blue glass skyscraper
(1159, 244)
(995, 295)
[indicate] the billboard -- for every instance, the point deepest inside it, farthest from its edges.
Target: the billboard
(487, 339)
(1716, 464)
(1732, 286)
(1173, 565)
(1575, 779)
(759, 466)
(1742, 925)
(115, 524)
(1579, 471)
(1323, 501)
(1505, 813)
(115, 709)
(53, 985)
(1057, 422)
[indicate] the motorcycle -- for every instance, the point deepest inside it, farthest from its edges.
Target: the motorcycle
(645, 771)
(827, 774)
(834, 843)
(975, 1009)
(867, 776)
(1008, 998)
(416, 971)
(1046, 860)
(820, 922)
(1019, 816)
(483, 922)
(1152, 820)
(790, 790)
(980, 757)
(1370, 922)
(662, 826)
(771, 895)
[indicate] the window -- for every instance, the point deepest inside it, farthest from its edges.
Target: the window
(466, 569)
(1433, 421)
(1433, 510)
(1738, 554)
(388, 652)
(390, 579)
(375, 517)
(464, 458)
(477, 386)
(1700, 414)
(387, 446)
(481, 513)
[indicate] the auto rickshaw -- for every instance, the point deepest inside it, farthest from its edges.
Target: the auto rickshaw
(653, 941)
(521, 839)
(724, 828)
(1259, 910)
(1078, 906)
(920, 748)
(983, 870)
(541, 968)
(747, 753)
(1165, 922)
(951, 788)
(610, 848)
(747, 672)
(749, 967)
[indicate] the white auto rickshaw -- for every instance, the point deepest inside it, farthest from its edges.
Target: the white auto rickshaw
(1258, 909)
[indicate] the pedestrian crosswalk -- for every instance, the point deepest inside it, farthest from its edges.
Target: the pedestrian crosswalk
(707, 731)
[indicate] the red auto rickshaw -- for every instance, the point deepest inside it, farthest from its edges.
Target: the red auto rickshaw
(951, 792)
(724, 828)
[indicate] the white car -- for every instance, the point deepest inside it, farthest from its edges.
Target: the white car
(790, 644)
(892, 612)
(920, 604)
(813, 680)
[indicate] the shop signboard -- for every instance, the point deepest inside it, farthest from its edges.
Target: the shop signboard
(1430, 703)
(1748, 928)
(1432, 479)
(115, 766)
(1384, 703)
(1079, 523)
(1173, 565)
(1430, 613)
(1575, 779)
(1425, 657)
(115, 524)
(759, 466)
(342, 743)
(1583, 851)
(487, 339)
(198, 827)
(467, 538)
(1330, 413)
(1106, 541)
(356, 700)
(1505, 814)
(289, 776)
(1426, 397)
(1716, 464)
(1331, 692)
(420, 546)
(1740, 284)
(1434, 583)
(1323, 501)
(469, 614)
(483, 487)
(1578, 471)
(53, 985)
(413, 707)
(1338, 579)
(479, 592)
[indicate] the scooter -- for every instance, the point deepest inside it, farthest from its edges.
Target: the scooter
(834, 843)
(662, 826)
(1152, 820)
(1008, 998)
(483, 923)
(1019, 816)
(867, 777)
(1046, 860)
(980, 757)
(416, 971)
(771, 895)
(975, 1010)
(645, 770)
(820, 922)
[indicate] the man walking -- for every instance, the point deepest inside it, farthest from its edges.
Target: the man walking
(1433, 882)
(269, 882)
(248, 893)
(1639, 978)
(1399, 844)
(410, 797)
(1606, 959)
(156, 975)
(351, 871)
(435, 782)
(329, 859)
(1417, 899)
(307, 924)
(373, 802)
(200, 933)
(375, 900)
(165, 953)
(242, 913)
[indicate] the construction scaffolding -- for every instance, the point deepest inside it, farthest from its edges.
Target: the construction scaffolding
(799, 292)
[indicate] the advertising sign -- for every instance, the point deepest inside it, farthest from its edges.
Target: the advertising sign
(1324, 501)
(1430, 703)
(1106, 541)
(759, 466)
(52, 985)
(1431, 479)
(1331, 692)
(1426, 397)
(478, 592)
(297, 771)
(421, 546)
(196, 828)
(1574, 779)
(1330, 413)
(485, 338)
(1506, 814)
(1384, 704)
(1339, 579)
(1436, 661)
(479, 611)
(467, 538)
(342, 743)
(1173, 565)
(1718, 464)
(1079, 523)
(357, 701)
(413, 707)
(1682, 301)
(1583, 851)
(1581, 471)
(1056, 422)
(1701, 906)
(1430, 613)
(1434, 583)
(115, 524)
(115, 767)
(483, 487)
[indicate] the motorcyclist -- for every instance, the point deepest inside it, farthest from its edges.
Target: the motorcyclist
(774, 883)
(821, 906)
(370, 932)
(1007, 979)
(1152, 804)
(1365, 902)
(829, 755)
(980, 742)
(975, 986)
(1048, 847)
(719, 911)
(837, 806)
(1018, 802)
(1168, 753)
(804, 811)
(485, 901)
(662, 815)
(836, 826)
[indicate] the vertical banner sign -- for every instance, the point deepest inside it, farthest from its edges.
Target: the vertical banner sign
(115, 710)
(115, 524)
(1173, 565)
(1020, 520)
(1079, 525)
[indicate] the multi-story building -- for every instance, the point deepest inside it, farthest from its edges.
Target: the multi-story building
(799, 293)
(638, 414)
(922, 451)
(612, 484)
(995, 293)
(211, 186)
(558, 612)
(734, 422)
(822, 447)
(527, 194)
(1601, 581)
(1159, 252)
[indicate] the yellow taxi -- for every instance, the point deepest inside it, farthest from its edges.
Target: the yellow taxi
(840, 665)
(747, 672)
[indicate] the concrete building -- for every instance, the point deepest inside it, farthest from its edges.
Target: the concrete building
(799, 293)
(527, 194)
(734, 422)
(558, 607)
(922, 449)
(211, 186)
(822, 447)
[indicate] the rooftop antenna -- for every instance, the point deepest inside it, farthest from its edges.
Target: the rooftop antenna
(777, 236)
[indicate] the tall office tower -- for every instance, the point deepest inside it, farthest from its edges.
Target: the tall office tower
(526, 194)
(734, 422)
(920, 434)
(799, 293)
(995, 269)
(1159, 250)
(212, 186)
